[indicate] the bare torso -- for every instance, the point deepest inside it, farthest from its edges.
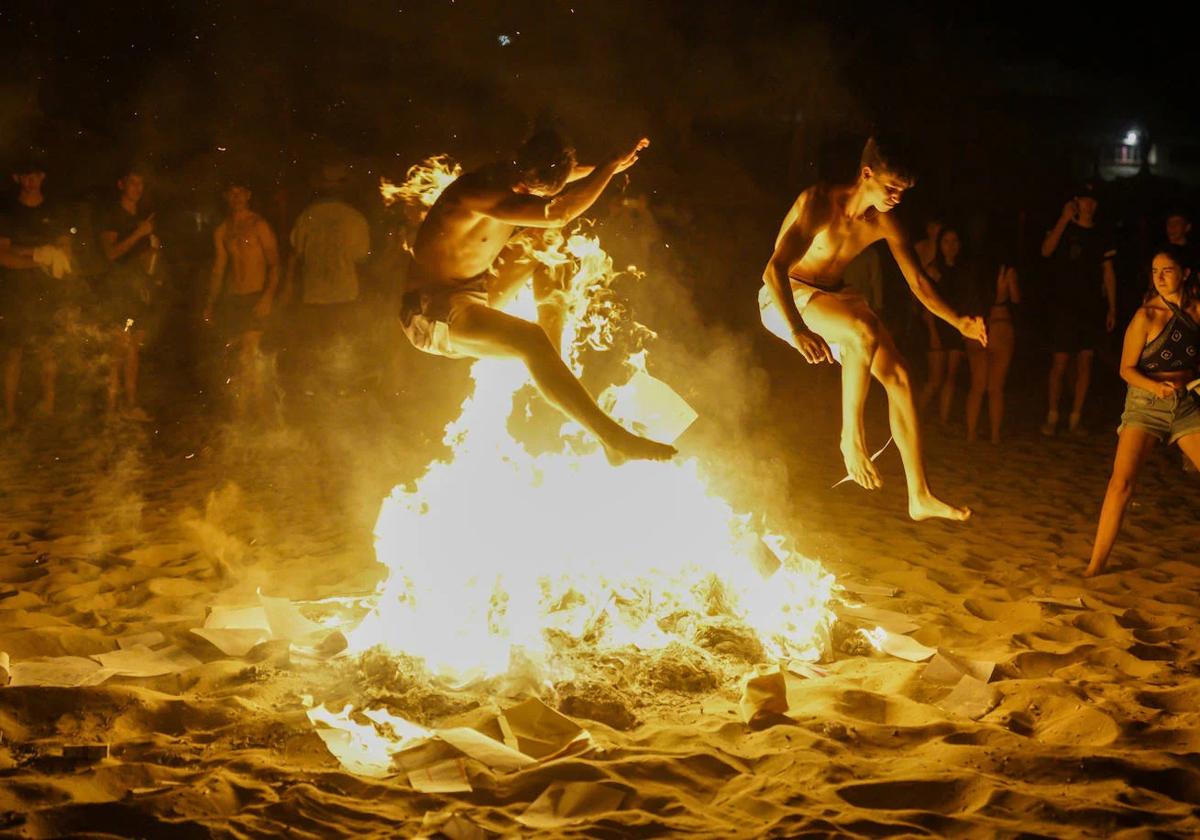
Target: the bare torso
(835, 239)
(456, 243)
(247, 254)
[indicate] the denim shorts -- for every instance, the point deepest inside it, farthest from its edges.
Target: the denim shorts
(1167, 418)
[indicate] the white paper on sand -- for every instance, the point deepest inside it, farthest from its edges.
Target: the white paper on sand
(61, 671)
(536, 730)
(74, 671)
(947, 669)
(5, 670)
(448, 776)
(887, 619)
(971, 698)
(898, 645)
(873, 458)
(651, 404)
(485, 750)
(869, 590)
(565, 802)
(150, 639)
(1075, 603)
(236, 630)
(141, 661)
(763, 694)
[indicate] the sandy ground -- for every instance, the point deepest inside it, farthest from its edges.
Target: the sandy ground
(1095, 729)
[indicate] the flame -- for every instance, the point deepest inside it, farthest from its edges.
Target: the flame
(496, 553)
(423, 183)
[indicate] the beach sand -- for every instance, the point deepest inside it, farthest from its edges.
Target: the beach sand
(1092, 727)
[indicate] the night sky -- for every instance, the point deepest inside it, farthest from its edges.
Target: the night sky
(280, 82)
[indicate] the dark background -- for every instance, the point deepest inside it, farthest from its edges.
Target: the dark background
(746, 103)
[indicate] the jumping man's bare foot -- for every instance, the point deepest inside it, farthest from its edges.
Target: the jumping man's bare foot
(859, 466)
(630, 447)
(1094, 568)
(929, 506)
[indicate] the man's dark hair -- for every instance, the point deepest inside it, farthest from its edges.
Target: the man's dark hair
(544, 161)
(884, 154)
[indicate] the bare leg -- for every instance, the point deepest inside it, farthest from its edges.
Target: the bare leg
(1191, 448)
(49, 375)
(953, 360)
(977, 360)
(132, 359)
(851, 325)
(937, 373)
(1058, 367)
(483, 332)
(889, 368)
(12, 382)
(999, 353)
(115, 367)
(1083, 378)
(1132, 447)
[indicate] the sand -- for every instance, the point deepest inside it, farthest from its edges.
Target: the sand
(1093, 727)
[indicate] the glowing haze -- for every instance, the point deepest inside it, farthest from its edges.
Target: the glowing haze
(496, 552)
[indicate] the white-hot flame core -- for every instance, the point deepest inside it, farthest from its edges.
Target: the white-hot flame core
(495, 549)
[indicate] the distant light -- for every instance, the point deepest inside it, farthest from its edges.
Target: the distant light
(504, 40)
(1132, 137)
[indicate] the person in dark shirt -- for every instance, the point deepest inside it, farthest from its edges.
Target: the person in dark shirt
(944, 348)
(127, 237)
(1083, 299)
(35, 236)
(1179, 236)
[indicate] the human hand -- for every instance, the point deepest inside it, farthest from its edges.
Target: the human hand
(628, 159)
(973, 327)
(1165, 390)
(1070, 211)
(145, 227)
(53, 259)
(811, 346)
(1110, 320)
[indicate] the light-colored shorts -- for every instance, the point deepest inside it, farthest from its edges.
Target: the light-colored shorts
(426, 315)
(1167, 418)
(802, 293)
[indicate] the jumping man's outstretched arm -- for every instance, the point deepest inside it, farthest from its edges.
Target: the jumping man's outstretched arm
(923, 288)
(551, 211)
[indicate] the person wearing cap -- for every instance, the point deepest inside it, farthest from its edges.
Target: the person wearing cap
(1083, 300)
(36, 241)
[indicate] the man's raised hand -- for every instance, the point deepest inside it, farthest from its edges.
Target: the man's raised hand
(624, 161)
(812, 347)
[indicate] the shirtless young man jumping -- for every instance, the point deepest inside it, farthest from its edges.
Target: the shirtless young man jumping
(465, 267)
(803, 302)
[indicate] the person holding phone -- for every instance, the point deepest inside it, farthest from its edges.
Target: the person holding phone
(127, 237)
(1083, 300)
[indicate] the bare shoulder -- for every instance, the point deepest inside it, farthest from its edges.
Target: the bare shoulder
(475, 188)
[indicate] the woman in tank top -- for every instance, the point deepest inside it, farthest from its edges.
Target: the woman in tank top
(1160, 360)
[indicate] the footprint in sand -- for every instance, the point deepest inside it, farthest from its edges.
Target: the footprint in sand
(1101, 624)
(1015, 615)
(943, 796)
(1177, 701)
(1069, 723)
